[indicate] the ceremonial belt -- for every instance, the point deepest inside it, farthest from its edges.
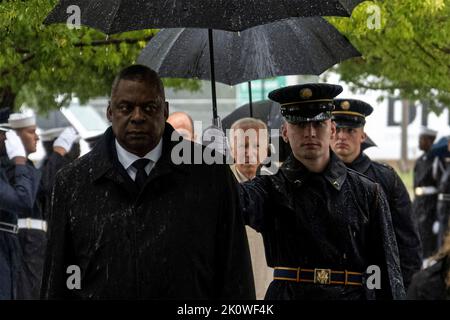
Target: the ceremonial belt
(35, 224)
(425, 191)
(8, 227)
(444, 196)
(318, 276)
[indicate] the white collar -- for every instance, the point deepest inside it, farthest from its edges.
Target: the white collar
(127, 158)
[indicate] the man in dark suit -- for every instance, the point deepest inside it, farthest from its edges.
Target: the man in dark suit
(136, 224)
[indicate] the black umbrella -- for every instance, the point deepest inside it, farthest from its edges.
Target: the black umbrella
(293, 46)
(289, 47)
(115, 16)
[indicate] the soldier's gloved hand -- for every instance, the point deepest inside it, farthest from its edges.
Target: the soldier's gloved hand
(14, 145)
(214, 138)
(436, 227)
(66, 139)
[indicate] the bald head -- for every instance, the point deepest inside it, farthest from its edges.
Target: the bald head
(183, 123)
(139, 73)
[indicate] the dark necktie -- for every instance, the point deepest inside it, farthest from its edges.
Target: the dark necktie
(141, 175)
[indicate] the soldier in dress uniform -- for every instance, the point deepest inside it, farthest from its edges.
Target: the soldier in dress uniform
(425, 191)
(350, 117)
(322, 224)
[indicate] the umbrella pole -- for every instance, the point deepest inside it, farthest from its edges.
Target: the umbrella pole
(213, 75)
(250, 98)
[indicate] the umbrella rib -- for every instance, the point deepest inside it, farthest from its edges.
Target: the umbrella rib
(332, 50)
(307, 56)
(167, 49)
(111, 24)
(324, 46)
(199, 57)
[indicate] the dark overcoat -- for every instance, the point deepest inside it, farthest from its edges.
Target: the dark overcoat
(337, 220)
(405, 225)
(181, 237)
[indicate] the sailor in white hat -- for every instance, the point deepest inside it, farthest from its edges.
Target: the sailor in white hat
(31, 226)
(24, 124)
(58, 143)
(48, 137)
(427, 132)
(16, 199)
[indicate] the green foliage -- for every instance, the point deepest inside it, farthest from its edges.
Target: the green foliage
(40, 63)
(408, 55)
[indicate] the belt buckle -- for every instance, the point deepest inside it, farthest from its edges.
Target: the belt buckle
(322, 276)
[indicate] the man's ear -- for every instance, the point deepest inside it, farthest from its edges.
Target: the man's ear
(363, 136)
(109, 112)
(283, 130)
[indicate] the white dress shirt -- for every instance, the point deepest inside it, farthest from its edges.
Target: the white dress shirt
(127, 159)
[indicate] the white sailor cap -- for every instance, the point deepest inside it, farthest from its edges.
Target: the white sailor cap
(424, 131)
(50, 134)
(22, 120)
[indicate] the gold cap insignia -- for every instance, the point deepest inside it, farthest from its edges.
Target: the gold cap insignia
(306, 93)
(345, 105)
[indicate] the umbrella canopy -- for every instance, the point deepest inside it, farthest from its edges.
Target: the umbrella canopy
(114, 16)
(289, 47)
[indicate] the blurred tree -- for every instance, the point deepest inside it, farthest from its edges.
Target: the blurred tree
(405, 46)
(44, 66)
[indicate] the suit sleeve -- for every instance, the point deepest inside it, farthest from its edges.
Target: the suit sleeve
(234, 279)
(22, 195)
